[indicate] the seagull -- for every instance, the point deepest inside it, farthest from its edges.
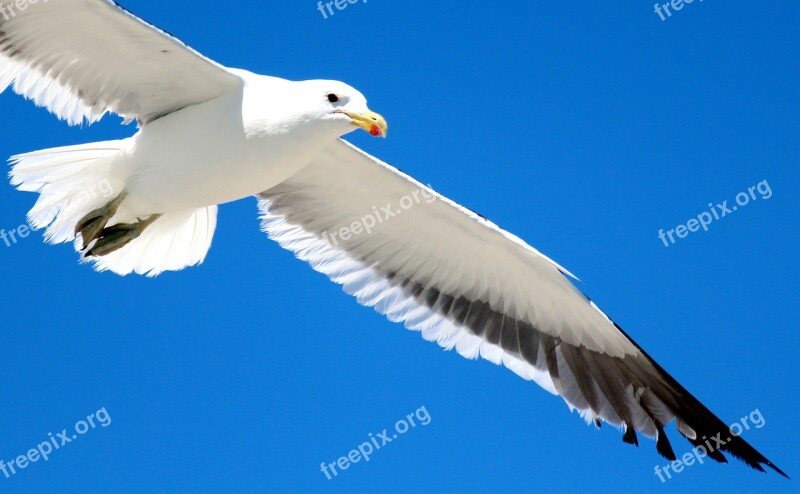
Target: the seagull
(208, 135)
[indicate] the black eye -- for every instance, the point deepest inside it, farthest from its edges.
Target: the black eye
(333, 98)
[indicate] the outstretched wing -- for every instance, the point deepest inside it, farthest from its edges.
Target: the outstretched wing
(421, 259)
(83, 58)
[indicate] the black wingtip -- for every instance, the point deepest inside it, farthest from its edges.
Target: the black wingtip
(743, 451)
(779, 470)
(630, 436)
(761, 460)
(769, 464)
(663, 446)
(758, 466)
(712, 453)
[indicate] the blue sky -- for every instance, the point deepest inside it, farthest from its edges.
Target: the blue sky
(584, 129)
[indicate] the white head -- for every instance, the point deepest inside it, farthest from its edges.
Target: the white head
(341, 106)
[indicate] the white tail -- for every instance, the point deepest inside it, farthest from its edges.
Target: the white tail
(74, 180)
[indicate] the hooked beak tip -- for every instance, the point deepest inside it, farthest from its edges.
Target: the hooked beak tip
(370, 121)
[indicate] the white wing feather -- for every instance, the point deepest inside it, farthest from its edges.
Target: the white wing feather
(83, 58)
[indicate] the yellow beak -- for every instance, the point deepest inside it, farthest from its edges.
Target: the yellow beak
(370, 121)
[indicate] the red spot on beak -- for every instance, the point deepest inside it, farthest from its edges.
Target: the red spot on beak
(375, 131)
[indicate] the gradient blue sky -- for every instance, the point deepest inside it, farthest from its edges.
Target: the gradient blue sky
(584, 129)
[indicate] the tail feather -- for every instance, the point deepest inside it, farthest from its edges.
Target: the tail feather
(73, 180)
(70, 181)
(171, 243)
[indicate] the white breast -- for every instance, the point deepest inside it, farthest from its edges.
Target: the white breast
(220, 151)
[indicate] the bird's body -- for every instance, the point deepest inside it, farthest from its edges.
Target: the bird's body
(210, 135)
(200, 156)
(231, 147)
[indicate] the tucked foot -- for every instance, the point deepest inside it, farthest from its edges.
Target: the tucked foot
(93, 223)
(118, 236)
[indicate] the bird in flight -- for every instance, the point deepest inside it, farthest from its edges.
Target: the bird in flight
(209, 134)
